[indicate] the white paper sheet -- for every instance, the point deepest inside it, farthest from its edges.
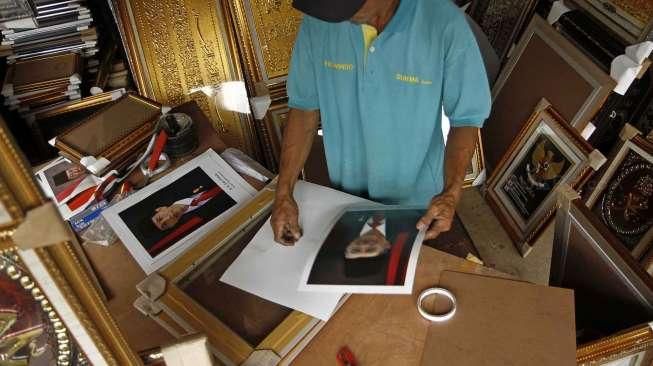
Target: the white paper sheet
(273, 272)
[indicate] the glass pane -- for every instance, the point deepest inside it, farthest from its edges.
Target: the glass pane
(250, 316)
(31, 332)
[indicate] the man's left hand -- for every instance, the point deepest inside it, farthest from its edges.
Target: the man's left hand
(439, 216)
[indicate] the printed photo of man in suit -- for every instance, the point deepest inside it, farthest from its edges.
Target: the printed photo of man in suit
(172, 213)
(366, 248)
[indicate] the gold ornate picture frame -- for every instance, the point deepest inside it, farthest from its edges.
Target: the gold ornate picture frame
(54, 275)
(630, 20)
(175, 47)
(631, 347)
(266, 32)
(168, 297)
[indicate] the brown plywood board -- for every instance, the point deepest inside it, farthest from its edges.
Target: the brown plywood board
(385, 329)
(503, 322)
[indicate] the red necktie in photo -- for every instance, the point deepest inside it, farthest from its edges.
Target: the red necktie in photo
(205, 196)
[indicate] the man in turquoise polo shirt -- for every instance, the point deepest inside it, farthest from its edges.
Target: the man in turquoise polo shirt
(379, 73)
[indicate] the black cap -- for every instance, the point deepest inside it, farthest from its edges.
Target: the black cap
(333, 11)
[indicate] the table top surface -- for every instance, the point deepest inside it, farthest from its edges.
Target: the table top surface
(385, 329)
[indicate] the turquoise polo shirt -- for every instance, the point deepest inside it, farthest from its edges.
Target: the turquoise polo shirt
(381, 105)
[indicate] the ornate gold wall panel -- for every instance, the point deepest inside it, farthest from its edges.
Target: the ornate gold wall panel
(266, 31)
(177, 45)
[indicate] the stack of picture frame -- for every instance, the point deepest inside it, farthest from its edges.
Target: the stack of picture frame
(49, 122)
(544, 64)
(614, 295)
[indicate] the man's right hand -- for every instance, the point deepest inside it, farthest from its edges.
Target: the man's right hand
(285, 221)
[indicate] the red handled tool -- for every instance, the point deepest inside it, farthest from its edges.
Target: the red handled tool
(159, 144)
(346, 357)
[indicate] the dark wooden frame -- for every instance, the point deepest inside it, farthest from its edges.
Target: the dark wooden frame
(525, 237)
(631, 141)
(574, 217)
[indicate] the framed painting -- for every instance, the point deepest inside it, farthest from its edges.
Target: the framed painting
(546, 153)
(186, 296)
(544, 64)
(623, 196)
(632, 347)
(612, 292)
(630, 20)
(501, 21)
(50, 308)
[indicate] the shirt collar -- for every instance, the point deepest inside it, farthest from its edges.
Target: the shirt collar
(401, 18)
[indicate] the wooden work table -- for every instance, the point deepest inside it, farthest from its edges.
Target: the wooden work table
(385, 329)
(378, 329)
(118, 272)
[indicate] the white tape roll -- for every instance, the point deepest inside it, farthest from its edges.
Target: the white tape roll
(436, 317)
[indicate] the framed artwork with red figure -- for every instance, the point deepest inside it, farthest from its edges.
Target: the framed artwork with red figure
(167, 217)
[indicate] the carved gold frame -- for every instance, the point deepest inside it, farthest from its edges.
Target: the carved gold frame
(57, 269)
(618, 347)
(176, 46)
(266, 31)
(178, 313)
(622, 24)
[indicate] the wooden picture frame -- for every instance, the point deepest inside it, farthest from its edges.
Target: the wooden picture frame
(176, 48)
(275, 122)
(266, 32)
(589, 259)
(544, 64)
(630, 347)
(166, 300)
(54, 274)
(477, 166)
(633, 156)
(501, 21)
(546, 153)
(628, 19)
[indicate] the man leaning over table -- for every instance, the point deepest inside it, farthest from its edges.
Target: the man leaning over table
(378, 73)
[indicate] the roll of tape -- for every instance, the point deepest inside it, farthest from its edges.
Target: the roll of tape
(436, 317)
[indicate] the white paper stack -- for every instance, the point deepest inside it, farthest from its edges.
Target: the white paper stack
(273, 272)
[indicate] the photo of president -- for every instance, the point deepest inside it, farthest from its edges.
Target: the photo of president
(175, 211)
(367, 248)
